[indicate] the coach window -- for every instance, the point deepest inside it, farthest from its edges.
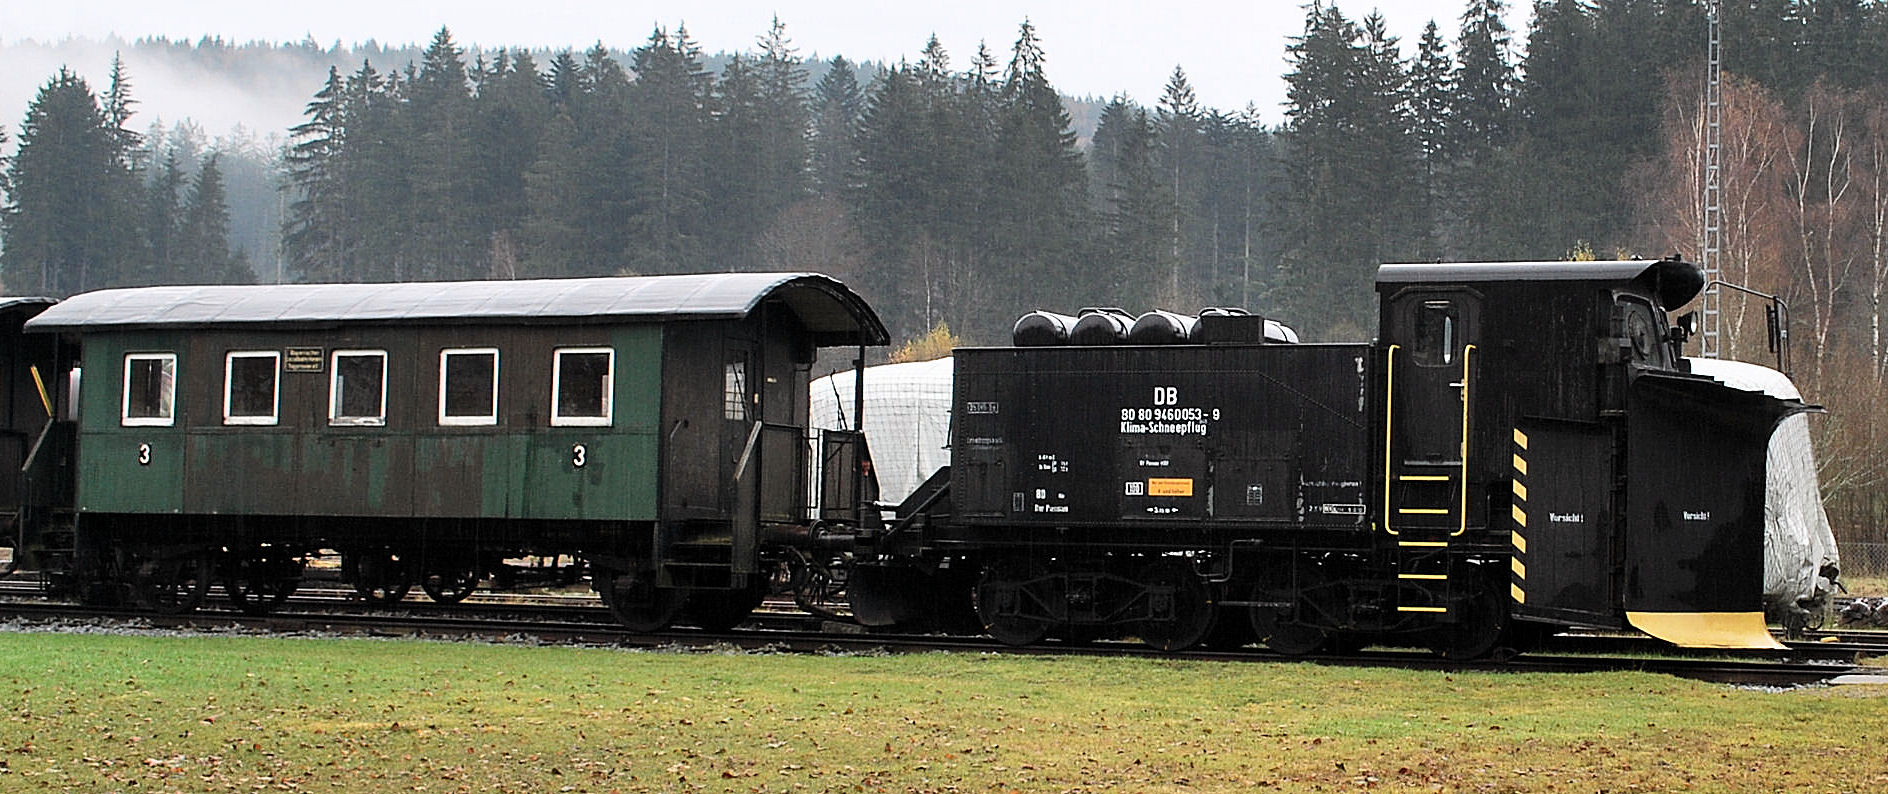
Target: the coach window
(581, 380)
(150, 389)
(1437, 325)
(734, 390)
(250, 393)
(357, 391)
(468, 386)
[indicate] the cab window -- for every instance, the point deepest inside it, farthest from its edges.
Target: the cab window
(1438, 333)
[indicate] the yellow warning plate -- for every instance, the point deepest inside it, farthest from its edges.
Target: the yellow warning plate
(1170, 486)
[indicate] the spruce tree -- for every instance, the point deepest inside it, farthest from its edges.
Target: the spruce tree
(838, 101)
(161, 224)
(669, 122)
(1351, 166)
(377, 178)
(1432, 120)
(1037, 188)
(444, 241)
(890, 192)
(1181, 157)
(1137, 213)
(312, 231)
(786, 122)
(69, 220)
(509, 113)
(1484, 78)
(1481, 124)
(737, 164)
(204, 255)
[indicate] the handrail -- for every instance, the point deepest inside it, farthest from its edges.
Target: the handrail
(1463, 452)
(1778, 317)
(1389, 418)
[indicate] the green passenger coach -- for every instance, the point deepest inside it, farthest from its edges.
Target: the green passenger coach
(431, 431)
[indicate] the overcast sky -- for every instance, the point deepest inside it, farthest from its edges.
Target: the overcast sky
(1232, 50)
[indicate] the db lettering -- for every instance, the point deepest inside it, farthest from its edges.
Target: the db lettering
(1166, 395)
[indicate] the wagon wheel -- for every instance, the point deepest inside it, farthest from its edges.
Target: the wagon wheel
(637, 603)
(450, 582)
(721, 610)
(174, 585)
(259, 580)
(1280, 635)
(378, 575)
(1018, 602)
(1477, 630)
(1279, 622)
(1180, 606)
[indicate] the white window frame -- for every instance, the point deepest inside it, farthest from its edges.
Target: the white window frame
(734, 390)
(275, 388)
(170, 392)
(468, 421)
(557, 382)
(335, 417)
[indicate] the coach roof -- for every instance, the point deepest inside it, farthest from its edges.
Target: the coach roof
(832, 312)
(1675, 281)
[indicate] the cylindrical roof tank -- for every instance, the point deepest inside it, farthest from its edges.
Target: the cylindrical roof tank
(1160, 327)
(1101, 327)
(1040, 328)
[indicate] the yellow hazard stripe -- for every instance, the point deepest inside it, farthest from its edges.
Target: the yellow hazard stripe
(1520, 438)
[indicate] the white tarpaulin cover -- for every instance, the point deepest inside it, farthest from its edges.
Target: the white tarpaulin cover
(907, 419)
(1797, 538)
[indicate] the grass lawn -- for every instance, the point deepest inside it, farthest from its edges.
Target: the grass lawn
(135, 714)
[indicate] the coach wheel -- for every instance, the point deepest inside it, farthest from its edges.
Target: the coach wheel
(379, 576)
(451, 582)
(259, 580)
(1017, 603)
(721, 610)
(637, 603)
(174, 585)
(1180, 607)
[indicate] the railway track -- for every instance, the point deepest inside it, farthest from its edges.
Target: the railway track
(571, 624)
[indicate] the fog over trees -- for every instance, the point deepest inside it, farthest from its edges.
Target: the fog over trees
(959, 189)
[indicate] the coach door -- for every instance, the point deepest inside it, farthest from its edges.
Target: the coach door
(1430, 375)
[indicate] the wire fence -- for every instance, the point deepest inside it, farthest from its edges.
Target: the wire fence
(1860, 520)
(1863, 558)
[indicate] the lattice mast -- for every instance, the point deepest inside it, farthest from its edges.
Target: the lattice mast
(1711, 345)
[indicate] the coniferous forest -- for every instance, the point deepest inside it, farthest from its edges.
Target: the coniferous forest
(958, 190)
